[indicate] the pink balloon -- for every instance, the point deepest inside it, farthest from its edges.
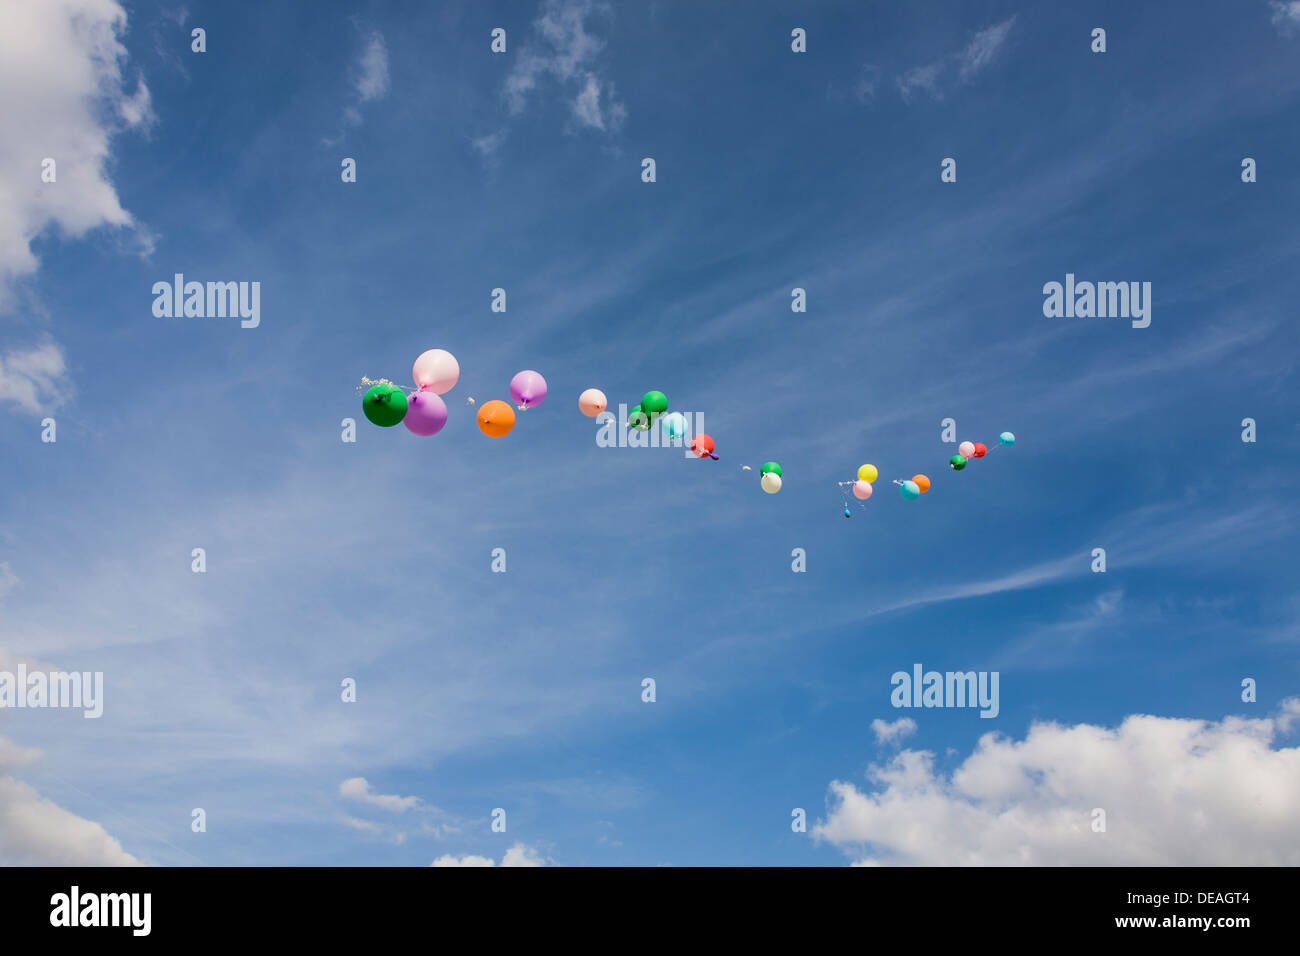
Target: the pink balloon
(861, 489)
(966, 449)
(426, 413)
(436, 371)
(528, 388)
(592, 402)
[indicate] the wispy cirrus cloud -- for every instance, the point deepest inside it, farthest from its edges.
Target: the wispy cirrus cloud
(983, 49)
(934, 78)
(370, 82)
(564, 50)
(358, 789)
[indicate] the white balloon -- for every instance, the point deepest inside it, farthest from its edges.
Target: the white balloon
(771, 482)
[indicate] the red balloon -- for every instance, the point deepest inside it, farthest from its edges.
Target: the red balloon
(702, 445)
(980, 450)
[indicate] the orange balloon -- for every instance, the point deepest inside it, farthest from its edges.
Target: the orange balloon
(922, 482)
(496, 418)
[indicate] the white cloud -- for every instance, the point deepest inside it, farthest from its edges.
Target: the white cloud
(372, 72)
(37, 832)
(563, 49)
(14, 756)
(356, 788)
(1286, 16)
(63, 97)
(517, 855)
(520, 855)
(365, 826)
(1289, 715)
(587, 107)
(892, 733)
(489, 144)
(983, 49)
(370, 82)
(920, 78)
(435, 823)
(33, 378)
(865, 89)
(1176, 792)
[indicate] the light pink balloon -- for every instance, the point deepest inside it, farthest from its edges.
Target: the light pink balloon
(862, 489)
(592, 402)
(966, 449)
(436, 370)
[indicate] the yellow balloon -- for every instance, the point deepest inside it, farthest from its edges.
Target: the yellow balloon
(868, 473)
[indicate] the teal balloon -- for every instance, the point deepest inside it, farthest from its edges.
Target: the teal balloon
(1007, 438)
(910, 490)
(654, 403)
(958, 462)
(384, 405)
(771, 466)
(674, 424)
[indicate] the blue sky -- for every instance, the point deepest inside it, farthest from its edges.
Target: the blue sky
(775, 170)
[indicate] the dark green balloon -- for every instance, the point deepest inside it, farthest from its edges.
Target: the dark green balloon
(385, 405)
(958, 462)
(654, 403)
(771, 466)
(638, 419)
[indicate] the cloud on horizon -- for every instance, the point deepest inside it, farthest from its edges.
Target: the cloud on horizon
(1177, 792)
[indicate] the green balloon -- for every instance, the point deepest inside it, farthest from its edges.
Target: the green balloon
(655, 403)
(958, 462)
(385, 405)
(638, 419)
(771, 466)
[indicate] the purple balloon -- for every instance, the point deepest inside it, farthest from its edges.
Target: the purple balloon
(527, 388)
(426, 413)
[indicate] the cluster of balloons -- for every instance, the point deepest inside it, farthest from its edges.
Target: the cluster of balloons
(423, 412)
(435, 373)
(652, 408)
(912, 488)
(966, 452)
